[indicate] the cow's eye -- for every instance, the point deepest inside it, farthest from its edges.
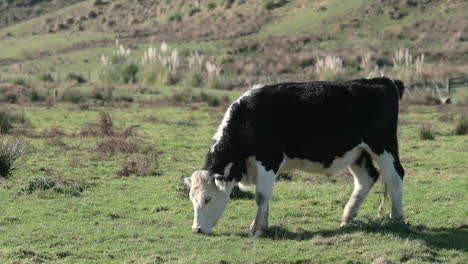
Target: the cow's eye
(207, 199)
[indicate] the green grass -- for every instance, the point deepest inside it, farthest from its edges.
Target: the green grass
(140, 219)
(30, 45)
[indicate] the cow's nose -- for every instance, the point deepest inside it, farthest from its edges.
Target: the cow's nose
(196, 230)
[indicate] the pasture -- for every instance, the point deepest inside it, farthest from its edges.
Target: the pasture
(69, 203)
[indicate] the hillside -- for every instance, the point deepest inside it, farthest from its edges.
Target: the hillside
(12, 12)
(253, 39)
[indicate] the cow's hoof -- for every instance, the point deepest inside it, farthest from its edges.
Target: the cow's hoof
(343, 223)
(256, 233)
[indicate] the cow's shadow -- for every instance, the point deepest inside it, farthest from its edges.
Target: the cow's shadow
(440, 237)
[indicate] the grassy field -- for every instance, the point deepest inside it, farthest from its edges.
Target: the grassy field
(92, 215)
(89, 191)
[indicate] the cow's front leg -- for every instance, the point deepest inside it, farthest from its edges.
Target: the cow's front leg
(263, 191)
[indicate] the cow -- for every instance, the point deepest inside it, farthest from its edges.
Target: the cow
(320, 127)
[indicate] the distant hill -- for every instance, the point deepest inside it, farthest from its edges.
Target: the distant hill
(15, 11)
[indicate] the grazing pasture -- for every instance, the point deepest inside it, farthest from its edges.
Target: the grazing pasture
(68, 203)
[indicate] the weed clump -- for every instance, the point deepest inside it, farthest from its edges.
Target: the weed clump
(427, 132)
(140, 165)
(181, 190)
(8, 118)
(11, 153)
(119, 68)
(58, 185)
(461, 127)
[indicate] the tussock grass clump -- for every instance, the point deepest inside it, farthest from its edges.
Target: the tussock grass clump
(109, 147)
(72, 95)
(118, 68)
(160, 65)
(382, 225)
(461, 127)
(181, 190)
(9, 117)
(58, 185)
(140, 165)
(12, 151)
(45, 77)
(186, 96)
(427, 132)
(330, 68)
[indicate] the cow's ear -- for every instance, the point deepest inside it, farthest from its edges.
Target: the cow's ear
(220, 182)
(187, 180)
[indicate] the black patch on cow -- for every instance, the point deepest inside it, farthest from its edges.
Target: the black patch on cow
(365, 161)
(316, 121)
(259, 198)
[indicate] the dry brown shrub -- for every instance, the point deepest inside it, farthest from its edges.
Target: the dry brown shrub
(105, 124)
(111, 146)
(53, 132)
(140, 165)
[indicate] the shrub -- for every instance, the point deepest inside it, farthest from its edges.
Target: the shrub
(119, 67)
(45, 77)
(20, 81)
(161, 65)
(330, 68)
(461, 127)
(36, 96)
(175, 17)
(193, 11)
(105, 124)
(8, 118)
(427, 132)
(72, 95)
(109, 147)
(75, 77)
(272, 4)
(213, 80)
(140, 165)
(181, 190)
(211, 5)
(58, 185)
(11, 153)
(431, 99)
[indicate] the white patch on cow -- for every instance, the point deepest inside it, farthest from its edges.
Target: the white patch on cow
(393, 181)
(227, 116)
(263, 192)
(206, 215)
(250, 178)
(362, 184)
(338, 164)
(227, 169)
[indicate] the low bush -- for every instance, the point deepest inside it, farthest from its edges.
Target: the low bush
(58, 185)
(8, 118)
(427, 132)
(72, 95)
(461, 127)
(12, 151)
(45, 77)
(140, 165)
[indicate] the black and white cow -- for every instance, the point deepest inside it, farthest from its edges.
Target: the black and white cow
(316, 127)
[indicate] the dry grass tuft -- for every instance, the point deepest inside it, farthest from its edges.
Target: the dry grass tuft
(12, 151)
(427, 132)
(140, 165)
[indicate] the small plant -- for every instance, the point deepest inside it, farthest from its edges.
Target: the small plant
(105, 124)
(461, 127)
(46, 77)
(161, 65)
(427, 132)
(330, 68)
(11, 152)
(431, 99)
(181, 190)
(20, 81)
(39, 183)
(58, 185)
(195, 75)
(140, 165)
(36, 96)
(175, 17)
(211, 5)
(72, 95)
(213, 80)
(119, 67)
(8, 118)
(272, 4)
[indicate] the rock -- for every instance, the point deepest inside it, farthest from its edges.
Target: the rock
(92, 14)
(445, 100)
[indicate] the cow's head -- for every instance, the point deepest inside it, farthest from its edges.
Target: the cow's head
(209, 195)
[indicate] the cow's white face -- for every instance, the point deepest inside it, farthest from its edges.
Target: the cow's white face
(209, 197)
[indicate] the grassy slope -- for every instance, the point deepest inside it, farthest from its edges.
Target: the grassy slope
(120, 219)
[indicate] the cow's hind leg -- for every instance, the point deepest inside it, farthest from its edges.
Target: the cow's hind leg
(263, 191)
(365, 175)
(392, 173)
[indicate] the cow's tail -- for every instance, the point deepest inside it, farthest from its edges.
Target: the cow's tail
(383, 198)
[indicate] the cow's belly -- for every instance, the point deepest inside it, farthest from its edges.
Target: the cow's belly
(338, 164)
